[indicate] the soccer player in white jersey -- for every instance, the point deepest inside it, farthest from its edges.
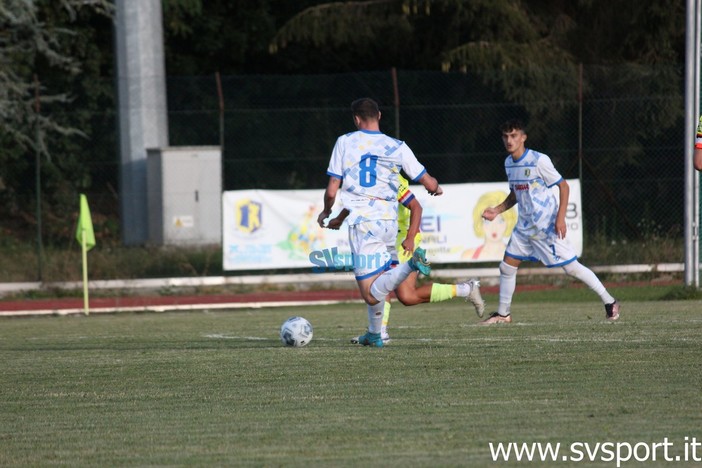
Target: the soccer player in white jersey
(409, 215)
(369, 163)
(540, 233)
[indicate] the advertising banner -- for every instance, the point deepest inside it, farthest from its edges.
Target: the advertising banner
(271, 229)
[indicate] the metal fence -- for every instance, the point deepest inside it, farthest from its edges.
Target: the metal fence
(278, 131)
(618, 129)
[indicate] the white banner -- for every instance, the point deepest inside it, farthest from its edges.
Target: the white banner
(269, 229)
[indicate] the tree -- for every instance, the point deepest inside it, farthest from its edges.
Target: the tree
(540, 43)
(44, 46)
(482, 36)
(229, 36)
(27, 42)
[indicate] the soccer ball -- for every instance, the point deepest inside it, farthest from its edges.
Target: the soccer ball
(296, 332)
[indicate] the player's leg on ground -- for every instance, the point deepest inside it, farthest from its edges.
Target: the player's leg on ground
(373, 336)
(395, 259)
(508, 283)
(369, 243)
(364, 286)
(375, 317)
(587, 276)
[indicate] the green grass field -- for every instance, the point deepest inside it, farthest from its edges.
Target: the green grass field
(219, 389)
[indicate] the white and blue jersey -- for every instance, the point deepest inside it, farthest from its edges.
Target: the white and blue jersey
(530, 177)
(369, 164)
(534, 237)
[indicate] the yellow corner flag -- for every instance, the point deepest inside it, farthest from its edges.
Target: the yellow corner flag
(86, 237)
(85, 225)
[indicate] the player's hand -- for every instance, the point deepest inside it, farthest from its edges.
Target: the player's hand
(490, 213)
(408, 246)
(335, 224)
(322, 216)
(561, 228)
(437, 192)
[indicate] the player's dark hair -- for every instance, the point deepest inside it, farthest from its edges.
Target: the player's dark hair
(511, 125)
(365, 109)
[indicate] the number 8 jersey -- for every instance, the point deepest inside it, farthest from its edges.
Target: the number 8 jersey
(369, 164)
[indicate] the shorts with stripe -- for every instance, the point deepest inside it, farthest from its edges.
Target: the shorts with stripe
(373, 246)
(542, 247)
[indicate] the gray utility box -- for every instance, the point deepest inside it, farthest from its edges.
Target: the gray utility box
(184, 186)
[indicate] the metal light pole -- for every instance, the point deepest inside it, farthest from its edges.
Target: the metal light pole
(37, 180)
(692, 99)
(141, 91)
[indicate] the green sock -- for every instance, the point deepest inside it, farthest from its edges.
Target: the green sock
(442, 292)
(386, 314)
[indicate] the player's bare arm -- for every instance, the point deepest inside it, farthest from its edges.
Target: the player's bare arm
(492, 212)
(431, 184)
(415, 220)
(561, 226)
(329, 198)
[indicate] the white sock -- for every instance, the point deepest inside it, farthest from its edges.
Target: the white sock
(375, 317)
(587, 276)
(463, 289)
(388, 281)
(508, 283)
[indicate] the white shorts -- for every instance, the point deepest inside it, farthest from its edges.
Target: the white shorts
(545, 248)
(373, 246)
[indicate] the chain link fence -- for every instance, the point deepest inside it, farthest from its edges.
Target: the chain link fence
(619, 129)
(626, 147)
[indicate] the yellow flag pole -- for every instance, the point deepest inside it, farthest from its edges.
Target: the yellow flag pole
(84, 248)
(86, 236)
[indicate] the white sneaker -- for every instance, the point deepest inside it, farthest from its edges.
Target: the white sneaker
(475, 298)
